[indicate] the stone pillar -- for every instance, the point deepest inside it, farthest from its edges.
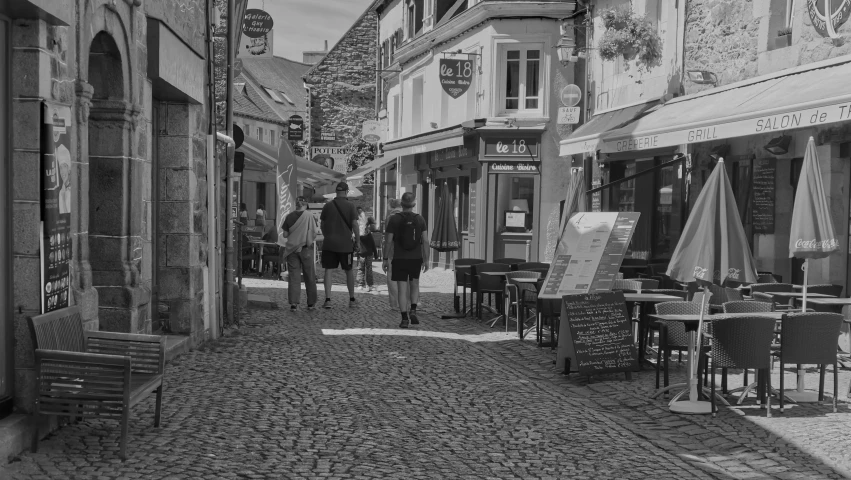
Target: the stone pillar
(182, 218)
(116, 191)
(85, 295)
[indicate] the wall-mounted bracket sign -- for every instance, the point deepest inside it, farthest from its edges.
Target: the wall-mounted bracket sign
(295, 129)
(372, 131)
(827, 16)
(514, 167)
(519, 147)
(456, 76)
(256, 23)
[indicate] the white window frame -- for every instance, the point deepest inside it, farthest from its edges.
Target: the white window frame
(272, 138)
(523, 42)
(273, 94)
(260, 133)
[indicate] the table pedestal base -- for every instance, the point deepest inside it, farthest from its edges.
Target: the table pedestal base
(692, 407)
(801, 397)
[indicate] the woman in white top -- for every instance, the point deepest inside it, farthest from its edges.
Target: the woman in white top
(260, 220)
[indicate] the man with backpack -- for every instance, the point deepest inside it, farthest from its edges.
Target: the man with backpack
(339, 229)
(407, 251)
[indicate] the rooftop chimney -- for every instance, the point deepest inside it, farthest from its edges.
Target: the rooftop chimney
(326, 45)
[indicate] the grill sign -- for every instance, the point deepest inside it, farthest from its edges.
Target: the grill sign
(456, 76)
(257, 23)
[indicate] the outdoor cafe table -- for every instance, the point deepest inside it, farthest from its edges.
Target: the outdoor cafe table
(261, 244)
(693, 405)
(645, 298)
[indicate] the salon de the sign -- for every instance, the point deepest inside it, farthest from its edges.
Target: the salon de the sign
(705, 133)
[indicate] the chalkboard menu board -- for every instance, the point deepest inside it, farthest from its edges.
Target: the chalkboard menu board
(601, 338)
(764, 191)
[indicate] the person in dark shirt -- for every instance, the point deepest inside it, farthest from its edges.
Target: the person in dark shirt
(339, 223)
(407, 256)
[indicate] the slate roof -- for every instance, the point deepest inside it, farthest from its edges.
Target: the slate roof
(248, 102)
(281, 75)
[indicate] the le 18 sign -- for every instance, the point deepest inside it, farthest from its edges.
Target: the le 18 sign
(456, 76)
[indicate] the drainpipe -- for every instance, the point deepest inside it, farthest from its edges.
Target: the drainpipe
(212, 239)
(227, 298)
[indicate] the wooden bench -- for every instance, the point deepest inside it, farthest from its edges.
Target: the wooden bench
(93, 374)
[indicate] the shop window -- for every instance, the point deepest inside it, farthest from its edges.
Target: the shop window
(464, 204)
(272, 138)
(246, 130)
(261, 196)
(446, 10)
(522, 88)
(667, 224)
(259, 134)
(414, 18)
(417, 106)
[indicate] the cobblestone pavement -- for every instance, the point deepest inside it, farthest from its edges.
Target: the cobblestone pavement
(344, 393)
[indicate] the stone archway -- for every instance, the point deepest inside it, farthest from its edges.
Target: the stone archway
(114, 193)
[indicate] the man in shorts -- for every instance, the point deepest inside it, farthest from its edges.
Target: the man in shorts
(339, 219)
(407, 248)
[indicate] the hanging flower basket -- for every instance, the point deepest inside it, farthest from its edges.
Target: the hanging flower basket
(629, 36)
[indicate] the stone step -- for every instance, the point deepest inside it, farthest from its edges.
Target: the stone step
(175, 346)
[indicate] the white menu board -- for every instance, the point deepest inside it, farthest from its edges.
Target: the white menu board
(596, 244)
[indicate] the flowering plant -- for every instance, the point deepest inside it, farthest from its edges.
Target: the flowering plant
(631, 36)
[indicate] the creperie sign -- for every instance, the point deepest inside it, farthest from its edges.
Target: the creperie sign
(765, 124)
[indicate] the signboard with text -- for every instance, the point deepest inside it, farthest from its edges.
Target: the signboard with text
(56, 206)
(514, 167)
(256, 47)
(372, 132)
(295, 128)
(803, 118)
(456, 76)
(454, 155)
(598, 338)
(521, 148)
(568, 115)
(335, 158)
(764, 191)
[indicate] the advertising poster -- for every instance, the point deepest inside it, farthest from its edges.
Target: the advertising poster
(56, 207)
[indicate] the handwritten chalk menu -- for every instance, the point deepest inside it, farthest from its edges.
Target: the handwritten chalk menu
(764, 191)
(598, 334)
(590, 253)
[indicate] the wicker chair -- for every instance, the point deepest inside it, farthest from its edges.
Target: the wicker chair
(762, 291)
(672, 335)
(490, 284)
(646, 326)
(742, 342)
(532, 266)
(647, 283)
(768, 277)
(514, 290)
(810, 338)
(626, 286)
(826, 289)
(462, 279)
(748, 306)
(510, 261)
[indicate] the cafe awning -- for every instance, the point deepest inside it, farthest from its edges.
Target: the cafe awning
(260, 156)
(812, 95)
(425, 142)
(586, 138)
(355, 177)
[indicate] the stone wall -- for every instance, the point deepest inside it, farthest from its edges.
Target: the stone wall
(342, 85)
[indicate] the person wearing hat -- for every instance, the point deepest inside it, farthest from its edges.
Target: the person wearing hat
(407, 253)
(300, 230)
(339, 227)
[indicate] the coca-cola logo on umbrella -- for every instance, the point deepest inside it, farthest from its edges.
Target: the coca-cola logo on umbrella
(456, 76)
(257, 23)
(827, 16)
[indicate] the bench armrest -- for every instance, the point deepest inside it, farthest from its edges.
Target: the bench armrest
(77, 382)
(146, 351)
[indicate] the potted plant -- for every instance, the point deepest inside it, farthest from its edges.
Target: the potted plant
(630, 36)
(784, 37)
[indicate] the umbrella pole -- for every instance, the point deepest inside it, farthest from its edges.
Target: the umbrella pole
(692, 405)
(698, 343)
(806, 274)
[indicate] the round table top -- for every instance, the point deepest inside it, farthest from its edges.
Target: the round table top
(651, 297)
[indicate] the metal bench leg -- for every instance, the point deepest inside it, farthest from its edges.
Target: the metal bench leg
(158, 410)
(125, 420)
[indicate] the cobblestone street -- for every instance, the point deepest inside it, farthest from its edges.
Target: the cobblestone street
(344, 393)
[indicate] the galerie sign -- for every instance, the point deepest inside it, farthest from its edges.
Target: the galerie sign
(456, 76)
(827, 16)
(765, 124)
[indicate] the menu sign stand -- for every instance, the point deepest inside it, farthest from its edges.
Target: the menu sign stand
(596, 243)
(599, 338)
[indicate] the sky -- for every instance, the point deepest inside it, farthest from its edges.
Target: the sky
(301, 25)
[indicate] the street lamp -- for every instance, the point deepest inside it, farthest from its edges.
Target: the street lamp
(565, 48)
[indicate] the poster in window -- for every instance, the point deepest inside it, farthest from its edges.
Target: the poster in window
(56, 206)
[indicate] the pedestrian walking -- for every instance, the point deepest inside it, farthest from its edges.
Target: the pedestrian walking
(243, 214)
(260, 216)
(368, 253)
(300, 230)
(407, 250)
(394, 206)
(339, 228)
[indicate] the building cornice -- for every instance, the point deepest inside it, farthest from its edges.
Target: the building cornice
(476, 16)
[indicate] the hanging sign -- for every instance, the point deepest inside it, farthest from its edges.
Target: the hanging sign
(253, 47)
(256, 23)
(372, 132)
(828, 16)
(295, 130)
(56, 207)
(456, 76)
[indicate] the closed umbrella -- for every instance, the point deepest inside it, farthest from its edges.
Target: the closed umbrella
(812, 234)
(353, 193)
(712, 248)
(444, 236)
(574, 203)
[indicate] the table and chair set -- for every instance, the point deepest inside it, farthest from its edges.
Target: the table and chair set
(745, 327)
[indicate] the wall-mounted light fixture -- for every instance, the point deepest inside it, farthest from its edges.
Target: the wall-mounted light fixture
(566, 50)
(778, 145)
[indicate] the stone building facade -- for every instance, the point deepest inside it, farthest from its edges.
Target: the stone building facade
(341, 92)
(135, 77)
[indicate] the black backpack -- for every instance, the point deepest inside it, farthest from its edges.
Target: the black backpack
(410, 236)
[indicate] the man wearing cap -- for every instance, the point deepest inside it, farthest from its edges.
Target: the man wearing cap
(339, 223)
(300, 230)
(407, 252)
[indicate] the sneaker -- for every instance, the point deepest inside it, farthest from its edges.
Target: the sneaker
(327, 304)
(413, 317)
(352, 303)
(293, 308)
(404, 323)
